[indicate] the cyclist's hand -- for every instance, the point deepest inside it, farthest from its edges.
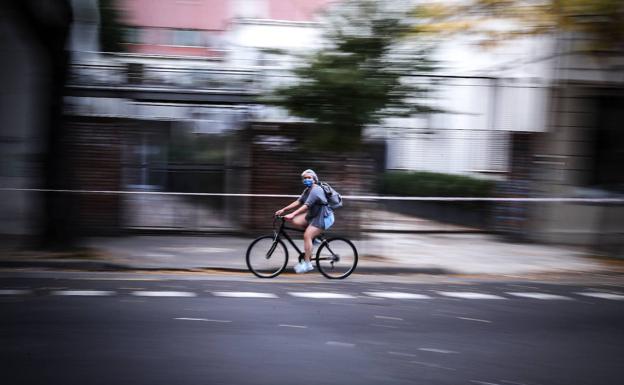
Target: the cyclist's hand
(289, 217)
(279, 213)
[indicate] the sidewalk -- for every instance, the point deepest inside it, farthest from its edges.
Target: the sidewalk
(393, 244)
(380, 253)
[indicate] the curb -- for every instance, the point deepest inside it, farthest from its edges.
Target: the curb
(95, 266)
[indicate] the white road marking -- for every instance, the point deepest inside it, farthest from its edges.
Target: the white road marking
(389, 318)
(428, 364)
(343, 344)
(483, 382)
(443, 351)
(396, 295)
(402, 354)
(203, 319)
(385, 326)
(86, 293)
(293, 326)
(617, 297)
(243, 294)
(534, 295)
(319, 295)
(469, 295)
(15, 292)
(163, 294)
(475, 319)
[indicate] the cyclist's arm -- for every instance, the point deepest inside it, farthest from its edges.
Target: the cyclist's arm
(291, 206)
(300, 210)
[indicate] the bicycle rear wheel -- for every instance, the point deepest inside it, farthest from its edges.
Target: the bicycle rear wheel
(267, 257)
(336, 258)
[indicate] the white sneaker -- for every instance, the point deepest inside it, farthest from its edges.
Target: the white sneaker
(303, 267)
(300, 267)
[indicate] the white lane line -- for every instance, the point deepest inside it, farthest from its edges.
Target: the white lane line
(163, 294)
(430, 365)
(385, 326)
(292, 326)
(443, 351)
(343, 344)
(512, 382)
(203, 319)
(475, 319)
(85, 293)
(544, 296)
(320, 295)
(243, 294)
(15, 292)
(617, 297)
(396, 295)
(483, 382)
(402, 354)
(389, 318)
(469, 295)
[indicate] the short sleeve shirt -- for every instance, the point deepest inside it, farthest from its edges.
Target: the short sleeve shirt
(314, 198)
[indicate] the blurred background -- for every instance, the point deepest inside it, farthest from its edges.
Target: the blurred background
(482, 99)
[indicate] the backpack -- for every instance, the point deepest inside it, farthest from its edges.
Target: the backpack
(334, 199)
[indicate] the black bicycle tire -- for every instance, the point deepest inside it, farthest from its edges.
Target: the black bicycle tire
(324, 244)
(252, 244)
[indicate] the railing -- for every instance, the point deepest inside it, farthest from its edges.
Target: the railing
(142, 75)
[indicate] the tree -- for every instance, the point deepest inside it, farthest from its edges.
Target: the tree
(112, 34)
(361, 76)
(600, 21)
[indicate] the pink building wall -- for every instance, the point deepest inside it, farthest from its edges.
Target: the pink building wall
(295, 10)
(192, 14)
(158, 20)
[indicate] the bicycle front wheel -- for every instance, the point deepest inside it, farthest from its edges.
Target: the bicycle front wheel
(336, 258)
(267, 257)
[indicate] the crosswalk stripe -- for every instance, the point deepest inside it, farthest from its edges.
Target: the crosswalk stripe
(325, 295)
(243, 294)
(163, 294)
(617, 297)
(469, 295)
(83, 293)
(321, 295)
(15, 292)
(396, 295)
(544, 296)
(202, 319)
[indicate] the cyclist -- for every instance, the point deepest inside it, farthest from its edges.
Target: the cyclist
(312, 214)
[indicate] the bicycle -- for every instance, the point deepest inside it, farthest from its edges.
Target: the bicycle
(267, 256)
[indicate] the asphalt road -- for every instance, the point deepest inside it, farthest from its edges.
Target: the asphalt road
(144, 330)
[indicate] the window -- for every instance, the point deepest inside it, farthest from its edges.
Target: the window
(133, 35)
(187, 37)
(609, 144)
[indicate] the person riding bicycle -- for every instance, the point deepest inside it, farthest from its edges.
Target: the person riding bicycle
(312, 214)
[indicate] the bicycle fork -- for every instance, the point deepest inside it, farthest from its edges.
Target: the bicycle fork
(273, 246)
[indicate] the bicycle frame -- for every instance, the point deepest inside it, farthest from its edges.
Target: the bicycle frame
(282, 232)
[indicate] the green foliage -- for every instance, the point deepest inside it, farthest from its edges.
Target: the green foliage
(359, 78)
(405, 183)
(600, 20)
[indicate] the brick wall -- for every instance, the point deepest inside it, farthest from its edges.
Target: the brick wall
(277, 159)
(94, 147)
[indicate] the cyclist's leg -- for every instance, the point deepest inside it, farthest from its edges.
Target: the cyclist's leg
(299, 221)
(308, 236)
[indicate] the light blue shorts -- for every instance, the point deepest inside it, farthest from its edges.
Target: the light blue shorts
(328, 221)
